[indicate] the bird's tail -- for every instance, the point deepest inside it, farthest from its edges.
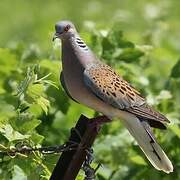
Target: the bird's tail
(141, 131)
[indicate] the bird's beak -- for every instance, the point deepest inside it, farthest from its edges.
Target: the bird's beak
(56, 35)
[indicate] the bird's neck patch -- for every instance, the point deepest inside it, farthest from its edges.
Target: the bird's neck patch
(80, 43)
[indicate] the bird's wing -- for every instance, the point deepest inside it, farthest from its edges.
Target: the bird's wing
(110, 87)
(114, 90)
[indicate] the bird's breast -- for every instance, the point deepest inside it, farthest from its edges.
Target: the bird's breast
(72, 72)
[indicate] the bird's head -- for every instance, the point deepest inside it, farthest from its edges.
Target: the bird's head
(64, 29)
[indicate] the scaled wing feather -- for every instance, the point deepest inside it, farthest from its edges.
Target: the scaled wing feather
(110, 87)
(114, 90)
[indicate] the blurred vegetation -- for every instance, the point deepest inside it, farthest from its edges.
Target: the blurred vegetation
(140, 39)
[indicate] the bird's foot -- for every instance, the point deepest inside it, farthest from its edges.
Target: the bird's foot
(99, 121)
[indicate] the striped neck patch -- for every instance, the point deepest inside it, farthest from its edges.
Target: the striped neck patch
(81, 44)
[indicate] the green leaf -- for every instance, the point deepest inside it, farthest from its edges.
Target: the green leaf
(35, 90)
(7, 111)
(138, 160)
(37, 138)
(8, 132)
(130, 54)
(175, 128)
(23, 86)
(44, 103)
(18, 173)
(35, 109)
(116, 37)
(29, 126)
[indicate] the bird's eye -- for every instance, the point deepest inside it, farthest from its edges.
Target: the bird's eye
(67, 28)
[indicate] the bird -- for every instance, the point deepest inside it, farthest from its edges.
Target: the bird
(89, 81)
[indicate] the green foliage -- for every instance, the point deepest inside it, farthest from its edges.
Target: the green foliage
(140, 41)
(175, 73)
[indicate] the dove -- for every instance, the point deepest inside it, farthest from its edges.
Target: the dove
(91, 82)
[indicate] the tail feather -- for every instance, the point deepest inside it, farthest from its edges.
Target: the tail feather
(141, 131)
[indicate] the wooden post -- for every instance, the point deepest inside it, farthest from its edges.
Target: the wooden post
(70, 162)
